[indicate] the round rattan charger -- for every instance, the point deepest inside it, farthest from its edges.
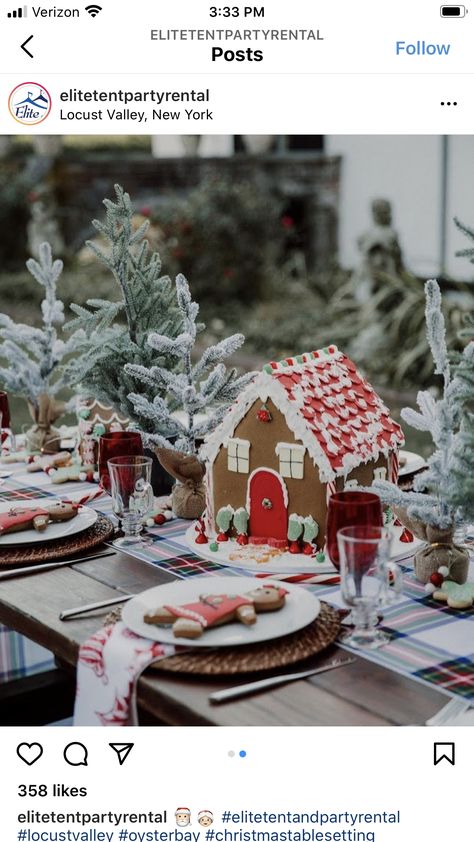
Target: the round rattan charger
(102, 530)
(257, 657)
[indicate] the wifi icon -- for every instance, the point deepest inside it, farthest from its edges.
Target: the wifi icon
(93, 10)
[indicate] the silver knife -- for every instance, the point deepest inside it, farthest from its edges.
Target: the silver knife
(274, 681)
(83, 609)
(52, 565)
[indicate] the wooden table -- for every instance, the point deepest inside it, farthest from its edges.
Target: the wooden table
(359, 694)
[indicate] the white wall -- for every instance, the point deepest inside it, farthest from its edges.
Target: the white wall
(407, 171)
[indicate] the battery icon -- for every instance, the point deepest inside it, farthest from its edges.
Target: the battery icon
(453, 11)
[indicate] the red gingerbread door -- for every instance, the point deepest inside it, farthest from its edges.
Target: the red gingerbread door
(268, 505)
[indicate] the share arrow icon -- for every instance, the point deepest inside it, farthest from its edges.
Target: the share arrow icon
(122, 750)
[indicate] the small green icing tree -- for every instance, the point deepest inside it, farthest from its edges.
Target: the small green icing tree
(241, 519)
(295, 527)
(311, 530)
(224, 518)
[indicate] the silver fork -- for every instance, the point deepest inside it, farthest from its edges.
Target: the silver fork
(449, 712)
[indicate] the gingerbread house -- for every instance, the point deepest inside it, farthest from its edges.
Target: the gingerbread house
(95, 419)
(304, 428)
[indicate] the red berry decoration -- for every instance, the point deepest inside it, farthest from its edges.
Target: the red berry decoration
(294, 547)
(159, 519)
(436, 579)
(264, 415)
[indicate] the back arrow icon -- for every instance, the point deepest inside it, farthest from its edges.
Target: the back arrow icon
(23, 46)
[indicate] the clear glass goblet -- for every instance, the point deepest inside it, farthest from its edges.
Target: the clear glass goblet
(368, 581)
(132, 496)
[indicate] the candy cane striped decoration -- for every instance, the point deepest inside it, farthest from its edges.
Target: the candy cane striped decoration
(394, 467)
(330, 490)
(88, 498)
(302, 578)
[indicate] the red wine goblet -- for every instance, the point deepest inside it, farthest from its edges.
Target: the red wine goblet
(350, 508)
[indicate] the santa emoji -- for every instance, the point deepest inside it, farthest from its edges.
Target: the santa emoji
(182, 816)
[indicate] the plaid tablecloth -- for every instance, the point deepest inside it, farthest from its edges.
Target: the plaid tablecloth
(430, 643)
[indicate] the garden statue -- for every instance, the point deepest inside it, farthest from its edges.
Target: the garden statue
(380, 251)
(43, 226)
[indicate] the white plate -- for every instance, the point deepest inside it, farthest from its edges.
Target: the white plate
(300, 609)
(284, 562)
(412, 463)
(84, 518)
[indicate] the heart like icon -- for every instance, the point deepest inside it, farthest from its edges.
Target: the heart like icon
(29, 752)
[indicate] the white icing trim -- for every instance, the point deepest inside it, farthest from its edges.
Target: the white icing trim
(275, 474)
(187, 614)
(244, 443)
(289, 446)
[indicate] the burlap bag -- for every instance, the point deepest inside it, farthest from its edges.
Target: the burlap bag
(440, 552)
(43, 437)
(452, 556)
(188, 497)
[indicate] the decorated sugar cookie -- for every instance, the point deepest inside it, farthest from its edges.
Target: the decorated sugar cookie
(456, 596)
(192, 619)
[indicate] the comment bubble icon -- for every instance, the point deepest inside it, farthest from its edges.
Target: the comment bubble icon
(75, 754)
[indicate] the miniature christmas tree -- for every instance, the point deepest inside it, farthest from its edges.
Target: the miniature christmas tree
(461, 492)
(116, 332)
(36, 356)
(202, 387)
(437, 495)
(462, 459)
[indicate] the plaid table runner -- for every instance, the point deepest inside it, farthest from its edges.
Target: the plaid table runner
(430, 643)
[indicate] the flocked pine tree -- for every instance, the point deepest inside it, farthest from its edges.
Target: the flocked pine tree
(462, 461)
(436, 498)
(36, 356)
(117, 332)
(202, 387)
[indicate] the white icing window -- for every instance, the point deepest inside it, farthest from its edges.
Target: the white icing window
(351, 484)
(291, 460)
(238, 456)
(380, 473)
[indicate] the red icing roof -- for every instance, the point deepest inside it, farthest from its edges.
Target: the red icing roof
(341, 409)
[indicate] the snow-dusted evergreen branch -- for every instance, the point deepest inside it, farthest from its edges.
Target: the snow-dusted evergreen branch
(37, 357)
(434, 499)
(188, 388)
(117, 331)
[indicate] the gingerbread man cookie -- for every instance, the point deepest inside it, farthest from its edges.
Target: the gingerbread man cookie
(192, 619)
(19, 518)
(48, 461)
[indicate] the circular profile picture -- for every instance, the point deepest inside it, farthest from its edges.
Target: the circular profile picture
(29, 103)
